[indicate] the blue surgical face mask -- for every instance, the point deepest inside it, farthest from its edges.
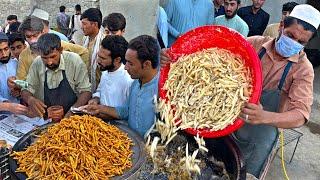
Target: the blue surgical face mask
(287, 47)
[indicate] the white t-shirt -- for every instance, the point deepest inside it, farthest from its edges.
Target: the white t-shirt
(114, 87)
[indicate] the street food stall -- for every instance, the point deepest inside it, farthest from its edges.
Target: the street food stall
(200, 96)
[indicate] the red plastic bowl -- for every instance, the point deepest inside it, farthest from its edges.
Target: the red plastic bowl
(221, 37)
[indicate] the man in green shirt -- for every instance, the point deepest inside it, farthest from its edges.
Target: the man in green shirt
(56, 77)
(231, 20)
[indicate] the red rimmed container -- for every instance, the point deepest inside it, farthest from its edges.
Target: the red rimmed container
(220, 37)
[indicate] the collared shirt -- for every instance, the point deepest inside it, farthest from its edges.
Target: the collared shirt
(257, 22)
(114, 87)
(162, 24)
(184, 15)
(272, 30)
(7, 70)
(27, 57)
(235, 23)
(139, 109)
(74, 68)
(61, 36)
(297, 91)
(219, 11)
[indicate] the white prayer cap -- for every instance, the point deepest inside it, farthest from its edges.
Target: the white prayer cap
(42, 14)
(306, 13)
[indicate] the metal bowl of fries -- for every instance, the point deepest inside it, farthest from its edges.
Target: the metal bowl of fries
(208, 38)
(138, 156)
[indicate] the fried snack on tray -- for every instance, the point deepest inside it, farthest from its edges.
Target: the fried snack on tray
(79, 147)
(206, 89)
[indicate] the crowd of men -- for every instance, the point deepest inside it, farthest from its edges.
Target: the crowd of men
(87, 63)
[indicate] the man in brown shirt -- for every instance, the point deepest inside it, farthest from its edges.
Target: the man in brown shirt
(287, 88)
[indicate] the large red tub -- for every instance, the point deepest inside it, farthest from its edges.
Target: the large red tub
(221, 37)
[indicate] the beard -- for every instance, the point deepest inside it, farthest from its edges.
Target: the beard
(53, 66)
(106, 68)
(232, 15)
(6, 59)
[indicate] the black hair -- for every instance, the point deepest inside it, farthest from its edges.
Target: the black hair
(31, 23)
(114, 22)
(288, 21)
(14, 27)
(147, 48)
(49, 42)
(62, 8)
(93, 14)
(289, 6)
(14, 37)
(12, 17)
(77, 7)
(117, 45)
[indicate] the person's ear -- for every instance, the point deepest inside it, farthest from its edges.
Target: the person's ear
(147, 64)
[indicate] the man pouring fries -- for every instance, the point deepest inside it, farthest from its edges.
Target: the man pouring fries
(287, 87)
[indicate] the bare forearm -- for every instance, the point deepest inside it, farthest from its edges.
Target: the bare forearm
(289, 119)
(25, 95)
(107, 112)
(83, 99)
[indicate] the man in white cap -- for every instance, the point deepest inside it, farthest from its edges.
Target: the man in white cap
(44, 16)
(287, 88)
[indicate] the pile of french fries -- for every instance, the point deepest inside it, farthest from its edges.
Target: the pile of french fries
(206, 89)
(79, 147)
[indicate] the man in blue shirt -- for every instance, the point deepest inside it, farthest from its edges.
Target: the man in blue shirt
(142, 63)
(256, 18)
(8, 67)
(184, 15)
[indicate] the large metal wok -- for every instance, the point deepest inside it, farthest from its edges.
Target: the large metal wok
(138, 156)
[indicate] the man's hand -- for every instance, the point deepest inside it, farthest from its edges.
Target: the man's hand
(94, 101)
(36, 106)
(16, 108)
(15, 90)
(91, 109)
(164, 58)
(68, 114)
(254, 114)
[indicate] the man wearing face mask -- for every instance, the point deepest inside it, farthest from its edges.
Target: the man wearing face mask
(287, 88)
(56, 77)
(115, 82)
(32, 28)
